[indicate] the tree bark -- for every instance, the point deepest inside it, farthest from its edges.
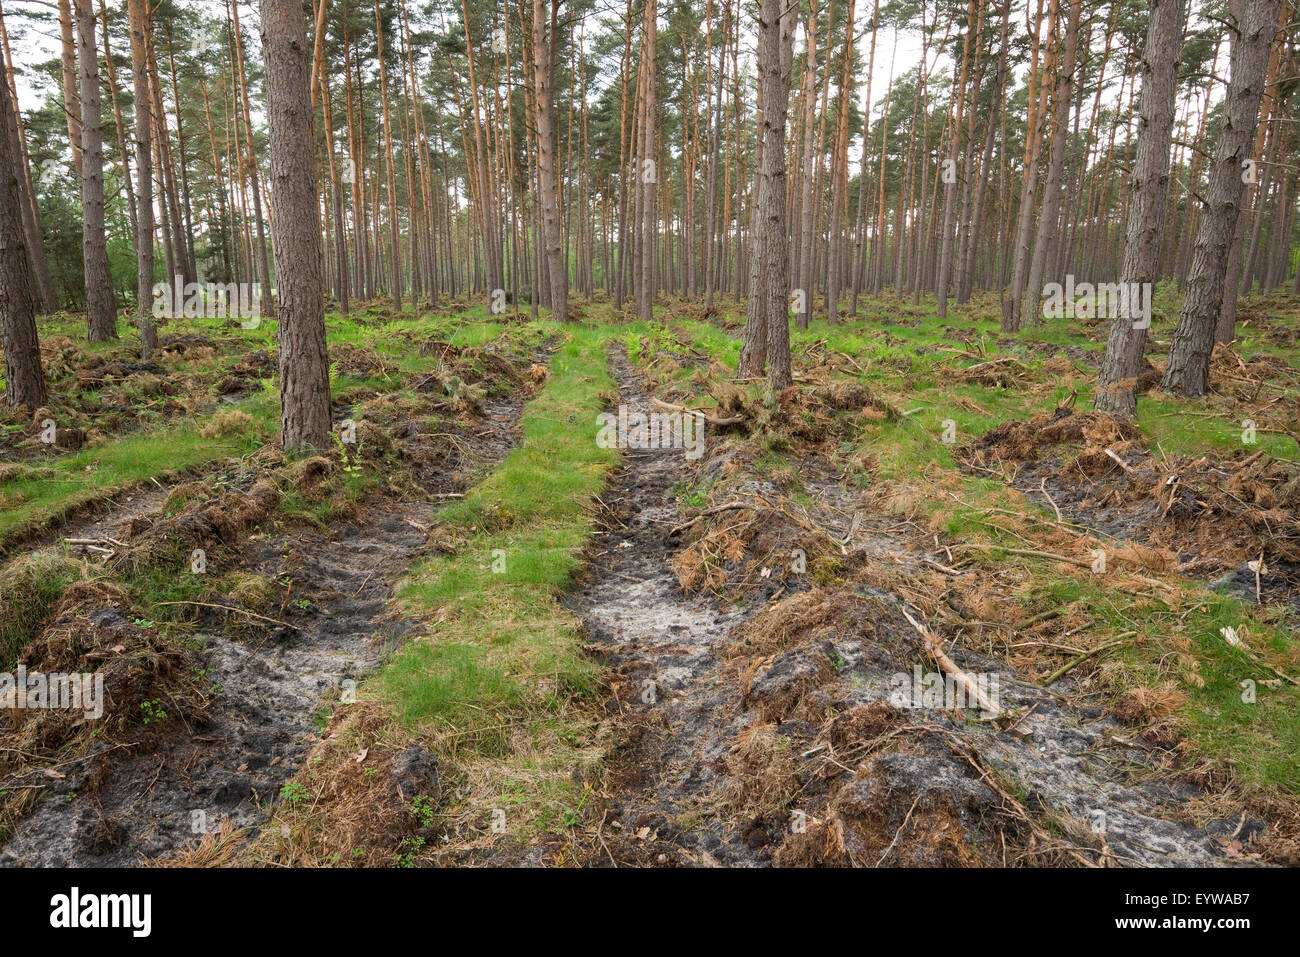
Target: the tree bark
(1188, 369)
(1117, 386)
(1048, 225)
(101, 320)
(24, 377)
(544, 99)
(138, 13)
(296, 229)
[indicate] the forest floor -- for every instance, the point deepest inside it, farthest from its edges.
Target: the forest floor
(471, 635)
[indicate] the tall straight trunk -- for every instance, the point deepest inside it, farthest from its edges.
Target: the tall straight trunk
(24, 376)
(1188, 219)
(1188, 369)
(1116, 388)
(948, 232)
(71, 98)
(966, 264)
(395, 247)
(544, 98)
(342, 278)
(299, 255)
(1048, 225)
(187, 205)
(138, 14)
(713, 109)
(626, 180)
(879, 250)
(253, 176)
(101, 319)
(805, 260)
(1013, 299)
(859, 229)
(31, 214)
(839, 175)
(173, 219)
(481, 162)
(647, 171)
(1240, 276)
(123, 152)
(771, 241)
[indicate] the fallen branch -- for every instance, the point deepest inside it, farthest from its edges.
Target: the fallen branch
(711, 419)
(932, 642)
(1120, 462)
(1067, 668)
(712, 510)
(208, 604)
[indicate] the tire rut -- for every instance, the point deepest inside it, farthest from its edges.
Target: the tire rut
(269, 688)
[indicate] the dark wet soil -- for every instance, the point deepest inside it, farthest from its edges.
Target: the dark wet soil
(272, 689)
(699, 734)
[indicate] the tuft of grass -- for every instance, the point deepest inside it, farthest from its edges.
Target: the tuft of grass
(29, 587)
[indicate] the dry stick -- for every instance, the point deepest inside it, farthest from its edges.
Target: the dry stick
(676, 529)
(1066, 669)
(931, 642)
(711, 419)
(1042, 487)
(1120, 462)
(1052, 556)
(205, 604)
(899, 832)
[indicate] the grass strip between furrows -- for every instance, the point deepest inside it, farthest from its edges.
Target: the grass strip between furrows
(493, 683)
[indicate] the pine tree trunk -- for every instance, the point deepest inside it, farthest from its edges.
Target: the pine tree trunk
(264, 273)
(299, 255)
(395, 245)
(544, 98)
(1188, 369)
(24, 377)
(101, 319)
(1048, 224)
(647, 175)
(71, 98)
(31, 215)
(1116, 388)
(138, 12)
(839, 176)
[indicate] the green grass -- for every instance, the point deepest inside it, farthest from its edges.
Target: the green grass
(29, 587)
(528, 520)
(494, 678)
(50, 491)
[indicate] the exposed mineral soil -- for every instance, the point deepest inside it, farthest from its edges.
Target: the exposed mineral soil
(763, 731)
(268, 683)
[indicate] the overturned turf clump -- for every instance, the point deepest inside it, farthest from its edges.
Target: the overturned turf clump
(905, 810)
(1204, 515)
(1026, 441)
(148, 687)
(199, 525)
(29, 587)
(374, 800)
(817, 416)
